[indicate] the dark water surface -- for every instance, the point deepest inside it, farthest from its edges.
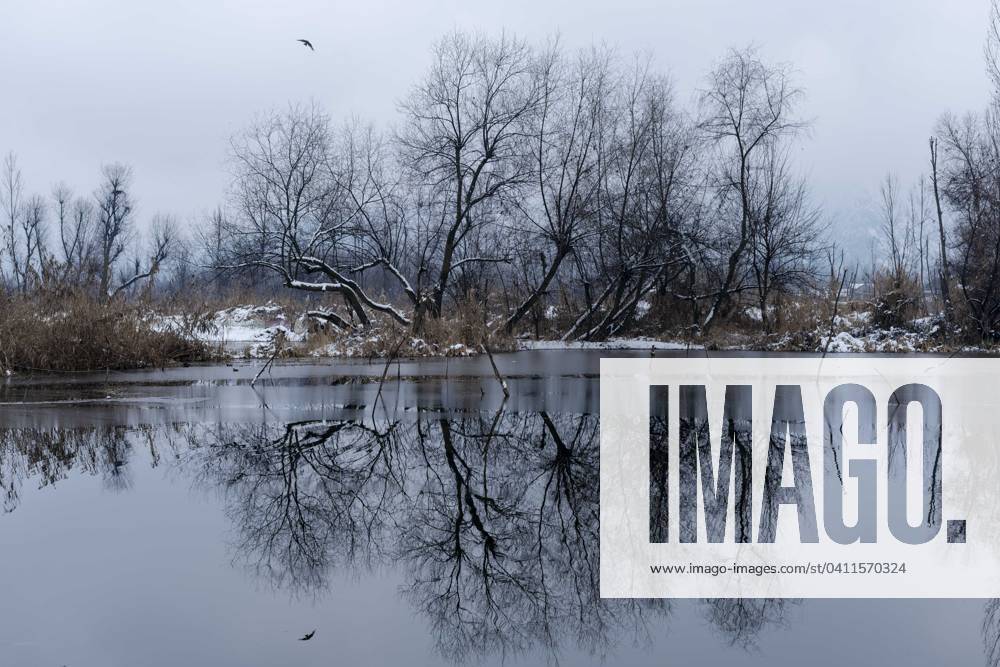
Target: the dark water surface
(182, 517)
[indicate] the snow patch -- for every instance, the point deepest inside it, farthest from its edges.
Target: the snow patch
(612, 344)
(842, 342)
(240, 324)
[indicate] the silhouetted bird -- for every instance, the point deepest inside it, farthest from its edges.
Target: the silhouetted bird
(307, 637)
(306, 42)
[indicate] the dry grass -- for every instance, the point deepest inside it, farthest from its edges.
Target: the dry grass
(466, 323)
(897, 300)
(459, 332)
(78, 333)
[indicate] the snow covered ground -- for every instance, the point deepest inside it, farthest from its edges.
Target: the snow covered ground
(250, 329)
(364, 345)
(254, 331)
(250, 324)
(857, 334)
(613, 344)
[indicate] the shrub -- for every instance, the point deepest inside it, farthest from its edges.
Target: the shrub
(79, 333)
(896, 302)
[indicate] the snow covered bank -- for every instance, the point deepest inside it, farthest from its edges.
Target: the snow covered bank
(255, 327)
(258, 331)
(613, 344)
(367, 345)
(254, 331)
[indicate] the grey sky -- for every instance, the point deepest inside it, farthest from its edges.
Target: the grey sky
(163, 85)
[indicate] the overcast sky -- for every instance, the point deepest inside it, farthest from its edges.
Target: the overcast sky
(163, 85)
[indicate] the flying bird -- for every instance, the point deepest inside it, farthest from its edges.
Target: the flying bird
(308, 636)
(306, 42)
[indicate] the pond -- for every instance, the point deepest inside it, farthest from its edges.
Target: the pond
(182, 516)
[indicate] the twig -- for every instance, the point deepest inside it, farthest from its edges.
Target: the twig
(833, 316)
(496, 371)
(385, 372)
(278, 337)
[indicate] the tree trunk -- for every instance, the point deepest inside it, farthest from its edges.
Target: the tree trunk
(734, 259)
(542, 288)
(944, 276)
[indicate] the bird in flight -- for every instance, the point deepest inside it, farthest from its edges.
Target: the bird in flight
(307, 637)
(306, 42)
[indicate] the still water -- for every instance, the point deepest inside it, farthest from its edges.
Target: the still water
(183, 517)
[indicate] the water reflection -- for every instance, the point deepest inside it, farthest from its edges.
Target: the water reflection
(47, 456)
(491, 517)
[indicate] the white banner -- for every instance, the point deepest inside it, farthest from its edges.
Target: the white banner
(800, 477)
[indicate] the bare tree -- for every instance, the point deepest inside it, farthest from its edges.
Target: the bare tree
(747, 106)
(306, 207)
(29, 249)
(573, 104)
(971, 170)
(917, 215)
(991, 49)
(965, 172)
(114, 221)
(71, 261)
(62, 199)
(643, 218)
(23, 228)
(897, 230)
(380, 233)
(786, 232)
(944, 274)
(12, 193)
(210, 247)
(162, 242)
(464, 135)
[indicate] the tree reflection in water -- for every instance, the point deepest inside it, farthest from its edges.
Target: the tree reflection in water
(50, 455)
(491, 518)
